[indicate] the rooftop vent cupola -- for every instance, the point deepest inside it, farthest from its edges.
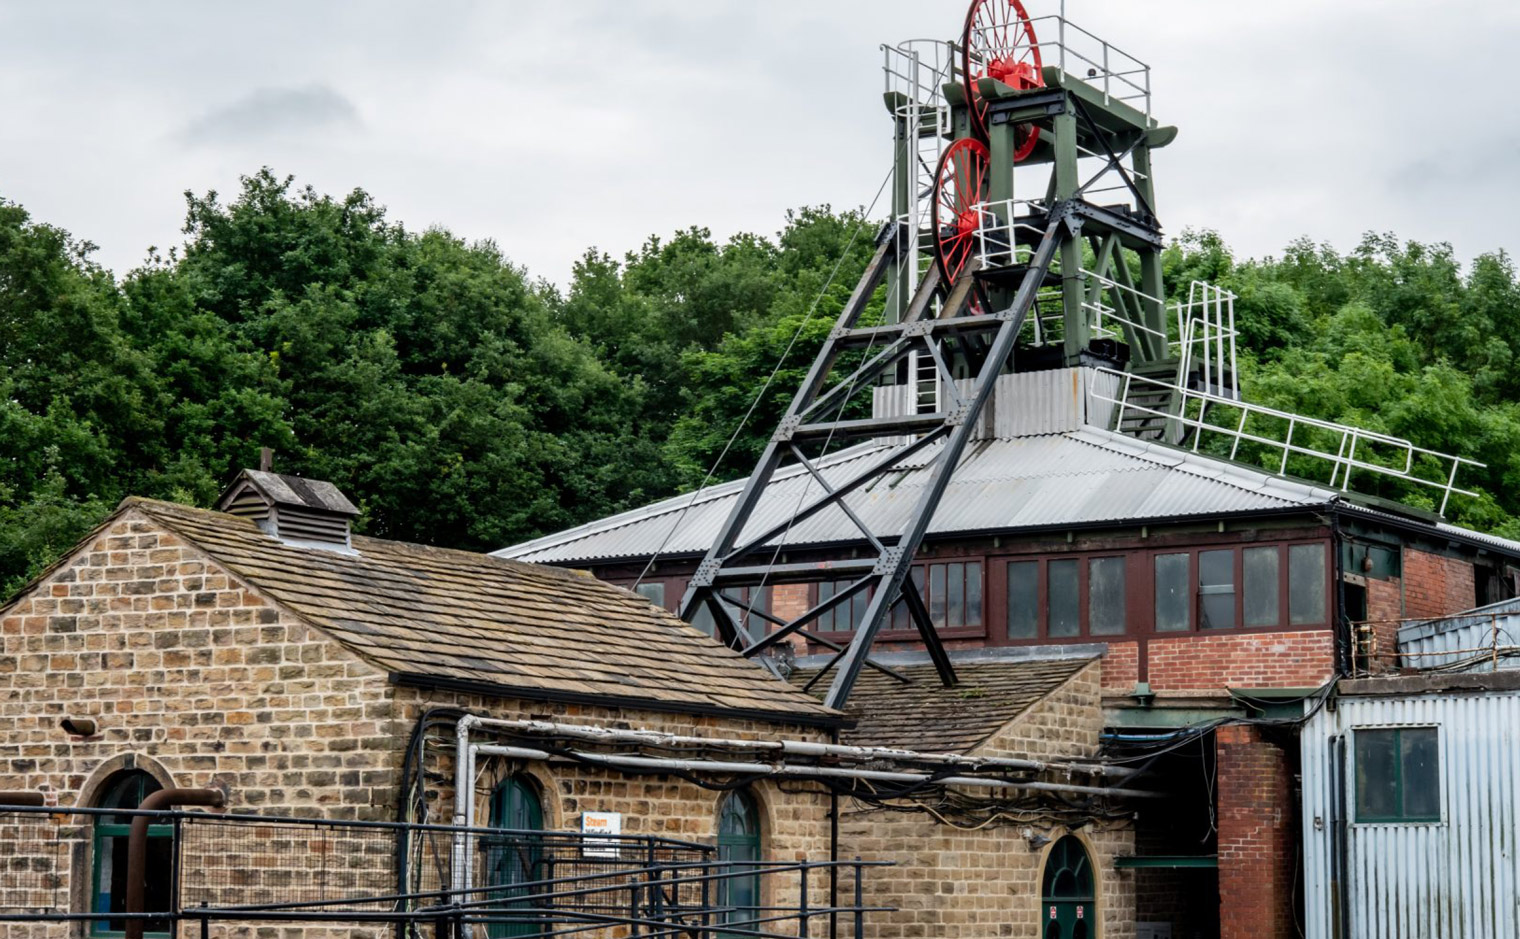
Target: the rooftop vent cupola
(305, 512)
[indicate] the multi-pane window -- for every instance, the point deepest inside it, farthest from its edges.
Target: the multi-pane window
(1398, 774)
(758, 598)
(952, 591)
(847, 614)
(1256, 587)
(1065, 598)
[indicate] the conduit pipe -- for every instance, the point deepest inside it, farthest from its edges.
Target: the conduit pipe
(27, 797)
(781, 769)
(794, 747)
(137, 844)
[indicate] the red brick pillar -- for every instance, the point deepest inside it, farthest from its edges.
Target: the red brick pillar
(1256, 837)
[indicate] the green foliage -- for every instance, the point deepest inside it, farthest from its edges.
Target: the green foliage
(1390, 337)
(460, 403)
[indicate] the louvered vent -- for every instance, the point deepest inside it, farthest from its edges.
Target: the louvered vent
(306, 512)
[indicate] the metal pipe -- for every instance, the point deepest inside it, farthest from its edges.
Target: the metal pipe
(781, 769)
(137, 844)
(25, 797)
(795, 747)
(464, 800)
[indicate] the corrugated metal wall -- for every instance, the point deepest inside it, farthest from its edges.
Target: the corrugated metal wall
(1496, 626)
(1454, 878)
(1053, 401)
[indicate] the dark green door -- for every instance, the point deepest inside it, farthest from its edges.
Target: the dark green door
(515, 857)
(739, 842)
(108, 894)
(1067, 902)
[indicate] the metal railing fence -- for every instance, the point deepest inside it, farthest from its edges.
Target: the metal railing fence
(243, 869)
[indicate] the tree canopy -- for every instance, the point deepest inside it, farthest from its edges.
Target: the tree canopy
(460, 402)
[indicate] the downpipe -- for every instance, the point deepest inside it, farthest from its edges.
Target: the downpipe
(137, 844)
(464, 803)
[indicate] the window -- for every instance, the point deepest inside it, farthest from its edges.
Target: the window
(1259, 569)
(738, 843)
(753, 626)
(1023, 599)
(1216, 589)
(849, 613)
(1397, 774)
(1172, 580)
(1067, 891)
(1105, 596)
(654, 593)
(1306, 584)
(516, 857)
(108, 891)
(1065, 599)
(952, 592)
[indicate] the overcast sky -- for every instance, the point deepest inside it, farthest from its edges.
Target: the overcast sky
(553, 127)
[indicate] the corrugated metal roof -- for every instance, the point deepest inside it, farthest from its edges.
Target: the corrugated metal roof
(1083, 476)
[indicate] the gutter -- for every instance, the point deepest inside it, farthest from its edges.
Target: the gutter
(825, 720)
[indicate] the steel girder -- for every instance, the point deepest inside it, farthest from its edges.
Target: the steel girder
(736, 560)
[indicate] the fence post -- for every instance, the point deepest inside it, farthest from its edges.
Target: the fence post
(860, 902)
(802, 903)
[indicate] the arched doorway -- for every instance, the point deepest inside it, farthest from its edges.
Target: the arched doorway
(127, 789)
(516, 856)
(1067, 899)
(739, 842)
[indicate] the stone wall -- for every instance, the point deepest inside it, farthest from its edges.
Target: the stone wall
(950, 883)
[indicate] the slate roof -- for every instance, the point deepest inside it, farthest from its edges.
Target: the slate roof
(467, 618)
(1082, 476)
(280, 489)
(927, 716)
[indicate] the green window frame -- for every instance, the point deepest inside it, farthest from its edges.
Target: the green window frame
(514, 858)
(739, 841)
(108, 844)
(1068, 898)
(1397, 774)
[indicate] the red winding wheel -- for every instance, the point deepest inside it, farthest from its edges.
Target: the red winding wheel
(960, 185)
(999, 42)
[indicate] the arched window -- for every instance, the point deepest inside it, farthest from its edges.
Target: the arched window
(108, 883)
(515, 856)
(739, 842)
(1067, 891)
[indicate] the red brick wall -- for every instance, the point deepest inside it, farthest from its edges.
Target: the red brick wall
(1256, 854)
(1436, 586)
(1385, 607)
(1121, 667)
(1203, 663)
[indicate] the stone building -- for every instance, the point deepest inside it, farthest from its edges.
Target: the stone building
(266, 652)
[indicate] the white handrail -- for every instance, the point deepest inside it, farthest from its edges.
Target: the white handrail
(1342, 462)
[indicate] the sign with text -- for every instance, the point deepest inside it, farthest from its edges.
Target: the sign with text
(601, 823)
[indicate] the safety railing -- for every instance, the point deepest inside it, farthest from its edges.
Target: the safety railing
(1350, 449)
(1206, 325)
(227, 869)
(1089, 58)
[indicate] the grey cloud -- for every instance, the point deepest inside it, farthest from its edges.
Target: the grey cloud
(273, 112)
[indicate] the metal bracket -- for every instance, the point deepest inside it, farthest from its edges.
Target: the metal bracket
(957, 416)
(918, 328)
(787, 429)
(707, 572)
(887, 562)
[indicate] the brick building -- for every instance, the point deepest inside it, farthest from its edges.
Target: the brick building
(265, 652)
(1215, 593)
